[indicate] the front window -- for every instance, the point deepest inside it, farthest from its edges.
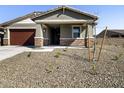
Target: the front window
(76, 32)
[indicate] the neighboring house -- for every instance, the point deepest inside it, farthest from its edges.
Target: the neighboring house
(113, 37)
(112, 33)
(59, 26)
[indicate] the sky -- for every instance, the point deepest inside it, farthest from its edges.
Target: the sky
(110, 16)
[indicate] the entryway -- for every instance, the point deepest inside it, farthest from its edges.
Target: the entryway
(55, 36)
(1, 39)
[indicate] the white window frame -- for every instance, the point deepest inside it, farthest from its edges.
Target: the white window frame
(73, 30)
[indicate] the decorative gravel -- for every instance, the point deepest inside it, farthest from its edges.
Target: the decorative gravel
(64, 68)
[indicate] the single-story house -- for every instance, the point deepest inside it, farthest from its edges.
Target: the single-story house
(112, 33)
(60, 26)
(113, 37)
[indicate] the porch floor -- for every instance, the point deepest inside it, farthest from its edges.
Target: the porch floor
(61, 47)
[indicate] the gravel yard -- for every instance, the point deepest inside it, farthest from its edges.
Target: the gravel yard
(64, 68)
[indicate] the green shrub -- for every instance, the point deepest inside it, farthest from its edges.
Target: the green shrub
(29, 54)
(57, 55)
(65, 49)
(117, 57)
(48, 71)
(93, 70)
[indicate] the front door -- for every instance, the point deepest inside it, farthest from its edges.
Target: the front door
(1, 39)
(55, 36)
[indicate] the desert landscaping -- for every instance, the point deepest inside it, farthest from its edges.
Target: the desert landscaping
(64, 68)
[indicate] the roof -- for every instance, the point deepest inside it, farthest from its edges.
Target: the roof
(120, 31)
(37, 14)
(30, 15)
(69, 8)
(110, 31)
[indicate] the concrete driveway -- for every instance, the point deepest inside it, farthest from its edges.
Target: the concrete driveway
(10, 51)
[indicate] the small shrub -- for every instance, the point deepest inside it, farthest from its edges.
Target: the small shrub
(57, 67)
(48, 71)
(29, 54)
(93, 70)
(65, 49)
(57, 55)
(117, 57)
(120, 55)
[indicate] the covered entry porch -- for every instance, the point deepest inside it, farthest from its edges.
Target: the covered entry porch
(66, 32)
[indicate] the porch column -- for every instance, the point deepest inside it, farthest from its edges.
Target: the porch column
(6, 39)
(39, 36)
(89, 36)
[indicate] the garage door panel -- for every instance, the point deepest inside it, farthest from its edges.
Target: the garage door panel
(29, 40)
(22, 37)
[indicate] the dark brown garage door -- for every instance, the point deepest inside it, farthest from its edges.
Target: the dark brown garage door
(23, 37)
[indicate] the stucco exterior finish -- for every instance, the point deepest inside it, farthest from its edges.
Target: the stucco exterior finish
(46, 32)
(66, 31)
(6, 33)
(39, 31)
(90, 30)
(24, 24)
(83, 32)
(66, 15)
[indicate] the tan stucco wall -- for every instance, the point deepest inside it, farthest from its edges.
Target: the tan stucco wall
(26, 21)
(83, 32)
(65, 31)
(46, 32)
(39, 31)
(6, 33)
(22, 25)
(90, 30)
(67, 15)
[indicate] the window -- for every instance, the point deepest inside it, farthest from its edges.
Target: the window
(76, 31)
